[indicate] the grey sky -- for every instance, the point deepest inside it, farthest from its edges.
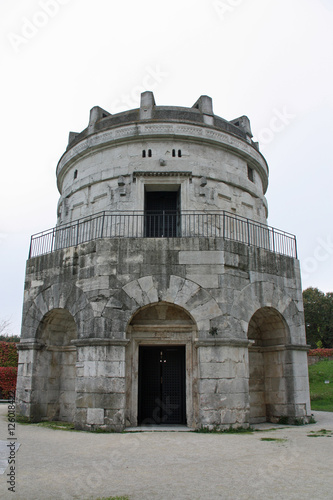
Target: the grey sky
(268, 59)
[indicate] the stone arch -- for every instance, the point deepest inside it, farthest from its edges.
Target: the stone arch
(53, 393)
(194, 299)
(262, 294)
(168, 324)
(269, 334)
(55, 297)
(268, 327)
(57, 328)
(161, 314)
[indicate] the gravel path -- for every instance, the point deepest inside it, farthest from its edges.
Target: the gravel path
(62, 465)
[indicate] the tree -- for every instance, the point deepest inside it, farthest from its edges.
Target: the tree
(318, 313)
(5, 332)
(4, 326)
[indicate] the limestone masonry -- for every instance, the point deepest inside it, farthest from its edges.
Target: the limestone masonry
(162, 296)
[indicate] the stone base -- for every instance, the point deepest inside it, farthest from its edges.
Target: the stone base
(237, 310)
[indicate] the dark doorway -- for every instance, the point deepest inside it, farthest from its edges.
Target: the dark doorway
(162, 214)
(162, 385)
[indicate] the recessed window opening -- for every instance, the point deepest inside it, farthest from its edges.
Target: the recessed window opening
(162, 213)
(75, 174)
(250, 173)
(179, 153)
(149, 153)
(143, 153)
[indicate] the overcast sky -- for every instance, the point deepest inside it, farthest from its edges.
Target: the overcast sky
(268, 59)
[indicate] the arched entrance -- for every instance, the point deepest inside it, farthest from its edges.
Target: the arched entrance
(267, 359)
(54, 378)
(161, 367)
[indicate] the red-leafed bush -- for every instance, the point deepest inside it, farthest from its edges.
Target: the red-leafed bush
(8, 377)
(8, 354)
(8, 369)
(322, 353)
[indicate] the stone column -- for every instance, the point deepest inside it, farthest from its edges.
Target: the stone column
(24, 392)
(297, 381)
(100, 384)
(223, 383)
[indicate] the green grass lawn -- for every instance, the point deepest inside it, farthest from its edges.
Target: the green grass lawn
(321, 394)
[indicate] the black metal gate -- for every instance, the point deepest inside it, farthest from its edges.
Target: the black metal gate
(161, 385)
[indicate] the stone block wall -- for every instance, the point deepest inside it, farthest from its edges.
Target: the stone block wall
(223, 386)
(100, 386)
(234, 295)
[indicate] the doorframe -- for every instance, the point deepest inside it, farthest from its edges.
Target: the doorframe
(168, 181)
(161, 336)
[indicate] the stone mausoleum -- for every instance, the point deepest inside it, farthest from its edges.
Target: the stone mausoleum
(162, 296)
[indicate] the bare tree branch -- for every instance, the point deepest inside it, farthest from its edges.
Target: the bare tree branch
(5, 327)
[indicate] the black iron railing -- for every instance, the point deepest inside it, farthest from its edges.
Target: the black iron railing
(217, 224)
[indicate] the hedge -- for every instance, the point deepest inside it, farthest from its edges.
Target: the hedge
(8, 354)
(322, 353)
(8, 368)
(8, 377)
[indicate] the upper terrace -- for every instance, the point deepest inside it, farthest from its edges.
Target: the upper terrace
(136, 224)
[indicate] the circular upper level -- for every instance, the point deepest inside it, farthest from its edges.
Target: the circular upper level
(211, 163)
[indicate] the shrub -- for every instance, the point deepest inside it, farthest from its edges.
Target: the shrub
(322, 353)
(8, 354)
(8, 377)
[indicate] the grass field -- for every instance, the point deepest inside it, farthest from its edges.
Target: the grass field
(321, 393)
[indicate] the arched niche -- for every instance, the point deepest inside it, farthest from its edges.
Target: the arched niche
(161, 326)
(269, 333)
(161, 315)
(54, 373)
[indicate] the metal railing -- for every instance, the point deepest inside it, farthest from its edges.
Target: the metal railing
(217, 224)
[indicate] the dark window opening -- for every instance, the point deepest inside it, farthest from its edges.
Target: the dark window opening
(179, 153)
(173, 152)
(237, 124)
(143, 153)
(75, 174)
(162, 214)
(250, 173)
(104, 115)
(149, 153)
